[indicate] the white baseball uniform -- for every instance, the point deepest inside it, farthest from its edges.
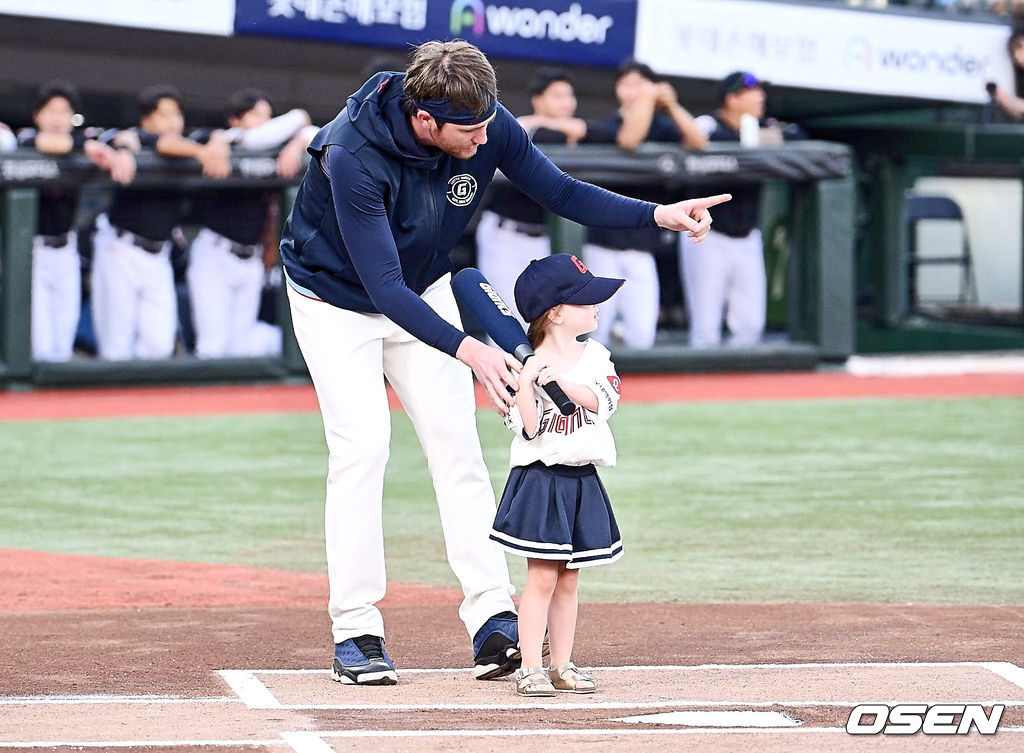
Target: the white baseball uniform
(225, 290)
(225, 272)
(635, 306)
(724, 275)
(581, 438)
(134, 306)
(56, 297)
(346, 352)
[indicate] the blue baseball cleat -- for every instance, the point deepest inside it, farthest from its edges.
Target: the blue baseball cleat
(496, 647)
(363, 661)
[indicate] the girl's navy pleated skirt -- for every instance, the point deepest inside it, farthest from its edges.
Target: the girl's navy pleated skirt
(557, 512)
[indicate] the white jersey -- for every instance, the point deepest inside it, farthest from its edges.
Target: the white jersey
(578, 439)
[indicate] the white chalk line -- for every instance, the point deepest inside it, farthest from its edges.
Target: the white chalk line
(617, 705)
(252, 691)
(83, 700)
(303, 742)
(256, 695)
(1009, 672)
(672, 667)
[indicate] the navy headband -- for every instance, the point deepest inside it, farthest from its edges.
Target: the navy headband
(442, 111)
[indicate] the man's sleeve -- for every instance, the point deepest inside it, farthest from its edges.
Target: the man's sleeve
(363, 220)
(538, 177)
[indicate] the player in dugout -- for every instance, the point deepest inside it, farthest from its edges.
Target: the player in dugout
(394, 180)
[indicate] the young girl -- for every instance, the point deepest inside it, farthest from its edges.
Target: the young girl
(554, 509)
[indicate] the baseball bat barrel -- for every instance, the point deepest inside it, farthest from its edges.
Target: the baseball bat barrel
(498, 321)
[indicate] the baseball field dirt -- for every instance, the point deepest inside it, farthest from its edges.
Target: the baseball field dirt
(118, 654)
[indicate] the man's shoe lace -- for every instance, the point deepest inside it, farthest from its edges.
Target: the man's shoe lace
(370, 646)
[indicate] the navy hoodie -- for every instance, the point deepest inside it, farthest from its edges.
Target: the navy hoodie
(377, 213)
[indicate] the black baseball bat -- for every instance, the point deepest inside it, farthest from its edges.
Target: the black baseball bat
(498, 321)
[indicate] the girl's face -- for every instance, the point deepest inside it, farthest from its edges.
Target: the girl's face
(579, 320)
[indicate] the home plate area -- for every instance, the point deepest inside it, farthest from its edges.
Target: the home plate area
(765, 707)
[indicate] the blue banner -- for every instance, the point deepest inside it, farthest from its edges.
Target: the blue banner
(587, 32)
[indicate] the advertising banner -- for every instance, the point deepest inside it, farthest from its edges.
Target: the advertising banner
(195, 16)
(595, 32)
(824, 48)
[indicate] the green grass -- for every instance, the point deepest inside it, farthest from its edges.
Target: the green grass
(860, 500)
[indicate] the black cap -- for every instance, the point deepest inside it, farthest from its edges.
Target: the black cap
(560, 278)
(243, 100)
(738, 81)
(57, 88)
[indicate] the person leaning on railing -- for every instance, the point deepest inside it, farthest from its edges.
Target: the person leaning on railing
(56, 264)
(134, 303)
(227, 260)
(512, 230)
(649, 111)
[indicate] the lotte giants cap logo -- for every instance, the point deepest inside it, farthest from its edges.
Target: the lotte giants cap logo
(560, 278)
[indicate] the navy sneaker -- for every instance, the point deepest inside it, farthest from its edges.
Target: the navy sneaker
(496, 647)
(363, 661)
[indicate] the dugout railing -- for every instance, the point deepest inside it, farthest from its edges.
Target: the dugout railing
(808, 189)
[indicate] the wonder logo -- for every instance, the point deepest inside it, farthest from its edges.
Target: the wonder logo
(467, 13)
(528, 23)
(859, 53)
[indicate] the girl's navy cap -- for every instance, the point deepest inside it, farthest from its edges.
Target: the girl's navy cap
(560, 278)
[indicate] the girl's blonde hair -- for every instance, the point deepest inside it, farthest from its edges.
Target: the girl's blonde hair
(539, 327)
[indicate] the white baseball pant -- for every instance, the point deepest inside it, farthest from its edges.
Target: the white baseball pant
(502, 253)
(723, 275)
(56, 299)
(348, 355)
(134, 306)
(636, 304)
(225, 294)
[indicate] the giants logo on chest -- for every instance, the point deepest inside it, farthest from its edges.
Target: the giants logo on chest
(553, 422)
(461, 189)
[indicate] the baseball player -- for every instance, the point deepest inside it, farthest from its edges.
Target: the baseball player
(226, 262)
(554, 510)
(726, 274)
(512, 231)
(56, 265)
(648, 111)
(394, 180)
(134, 306)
